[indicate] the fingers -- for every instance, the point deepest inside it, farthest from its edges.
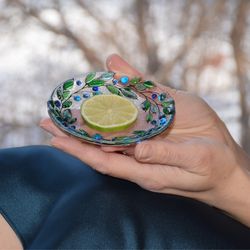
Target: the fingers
(50, 127)
(114, 164)
(116, 64)
(163, 152)
(154, 177)
(128, 150)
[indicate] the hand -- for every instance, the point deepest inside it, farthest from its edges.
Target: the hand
(196, 157)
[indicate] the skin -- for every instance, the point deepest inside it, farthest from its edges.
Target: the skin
(197, 157)
(8, 238)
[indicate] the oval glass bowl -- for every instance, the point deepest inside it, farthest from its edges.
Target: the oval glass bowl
(156, 109)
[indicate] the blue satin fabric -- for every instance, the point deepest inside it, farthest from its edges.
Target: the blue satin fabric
(54, 201)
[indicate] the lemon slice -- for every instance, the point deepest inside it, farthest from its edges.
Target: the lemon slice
(109, 113)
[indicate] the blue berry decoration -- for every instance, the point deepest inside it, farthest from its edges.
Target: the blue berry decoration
(77, 98)
(95, 88)
(58, 103)
(154, 96)
(85, 95)
(115, 81)
(79, 83)
(124, 79)
(163, 121)
(97, 136)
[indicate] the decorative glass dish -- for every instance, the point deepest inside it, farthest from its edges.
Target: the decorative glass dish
(155, 110)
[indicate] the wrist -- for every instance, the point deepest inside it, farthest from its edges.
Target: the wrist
(233, 196)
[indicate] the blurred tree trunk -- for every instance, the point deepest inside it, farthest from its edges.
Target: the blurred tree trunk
(237, 36)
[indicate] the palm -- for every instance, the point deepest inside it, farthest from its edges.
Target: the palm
(194, 118)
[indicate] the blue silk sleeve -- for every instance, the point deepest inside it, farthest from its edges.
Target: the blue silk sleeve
(54, 201)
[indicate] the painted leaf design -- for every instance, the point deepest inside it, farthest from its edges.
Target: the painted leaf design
(65, 94)
(139, 132)
(50, 104)
(67, 104)
(168, 102)
(146, 105)
(83, 132)
(66, 114)
(112, 89)
(135, 80)
(90, 76)
(149, 117)
(56, 113)
(121, 138)
(59, 93)
(72, 120)
(148, 84)
(153, 108)
(107, 76)
(140, 86)
(129, 94)
(128, 88)
(68, 84)
(96, 82)
(166, 111)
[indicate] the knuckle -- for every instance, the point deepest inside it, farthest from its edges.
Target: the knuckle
(103, 166)
(144, 152)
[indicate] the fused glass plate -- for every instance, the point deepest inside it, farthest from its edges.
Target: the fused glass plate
(156, 109)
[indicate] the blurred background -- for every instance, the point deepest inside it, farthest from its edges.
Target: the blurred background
(202, 46)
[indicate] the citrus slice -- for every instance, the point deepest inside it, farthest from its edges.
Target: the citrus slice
(109, 113)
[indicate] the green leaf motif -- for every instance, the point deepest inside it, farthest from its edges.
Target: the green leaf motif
(165, 104)
(128, 89)
(139, 132)
(83, 132)
(112, 89)
(56, 113)
(90, 76)
(140, 87)
(148, 84)
(128, 94)
(59, 93)
(121, 138)
(66, 114)
(107, 76)
(135, 80)
(68, 84)
(146, 105)
(50, 104)
(67, 104)
(153, 108)
(166, 111)
(65, 94)
(168, 102)
(96, 82)
(149, 117)
(72, 120)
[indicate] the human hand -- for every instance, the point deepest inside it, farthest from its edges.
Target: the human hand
(196, 157)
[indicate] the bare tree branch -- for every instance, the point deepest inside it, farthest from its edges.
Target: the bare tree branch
(237, 36)
(110, 37)
(166, 69)
(148, 47)
(64, 31)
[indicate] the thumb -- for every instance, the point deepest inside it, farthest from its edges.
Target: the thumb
(164, 152)
(117, 64)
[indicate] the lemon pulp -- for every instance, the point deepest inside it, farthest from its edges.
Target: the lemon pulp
(109, 113)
